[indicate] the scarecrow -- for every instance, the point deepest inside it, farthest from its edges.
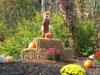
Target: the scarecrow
(45, 24)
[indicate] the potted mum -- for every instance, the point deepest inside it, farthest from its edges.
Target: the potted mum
(97, 57)
(52, 54)
(72, 69)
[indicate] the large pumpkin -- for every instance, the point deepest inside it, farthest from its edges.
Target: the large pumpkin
(88, 64)
(48, 35)
(9, 59)
(32, 45)
(62, 45)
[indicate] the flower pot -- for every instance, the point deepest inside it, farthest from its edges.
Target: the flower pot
(53, 57)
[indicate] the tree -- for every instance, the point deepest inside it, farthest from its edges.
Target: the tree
(67, 8)
(44, 5)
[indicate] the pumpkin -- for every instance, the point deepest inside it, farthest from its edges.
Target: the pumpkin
(48, 35)
(32, 45)
(9, 59)
(62, 45)
(88, 64)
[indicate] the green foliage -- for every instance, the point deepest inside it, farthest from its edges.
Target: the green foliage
(26, 32)
(72, 69)
(84, 37)
(17, 10)
(58, 27)
(4, 30)
(2, 52)
(52, 57)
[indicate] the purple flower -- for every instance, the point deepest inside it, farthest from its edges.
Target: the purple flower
(52, 51)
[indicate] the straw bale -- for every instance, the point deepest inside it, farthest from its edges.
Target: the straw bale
(47, 43)
(37, 54)
(33, 54)
(67, 53)
(42, 44)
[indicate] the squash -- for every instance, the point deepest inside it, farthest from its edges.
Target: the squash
(48, 35)
(9, 59)
(62, 45)
(32, 45)
(88, 64)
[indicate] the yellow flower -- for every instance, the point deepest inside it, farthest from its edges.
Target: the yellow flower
(72, 69)
(37, 13)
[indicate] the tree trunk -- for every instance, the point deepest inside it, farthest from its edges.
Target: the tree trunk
(53, 6)
(66, 6)
(44, 6)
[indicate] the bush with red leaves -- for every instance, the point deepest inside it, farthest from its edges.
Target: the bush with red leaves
(97, 57)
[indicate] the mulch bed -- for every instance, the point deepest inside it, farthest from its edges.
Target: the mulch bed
(45, 67)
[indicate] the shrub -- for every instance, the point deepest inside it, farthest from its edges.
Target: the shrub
(5, 32)
(72, 69)
(52, 54)
(26, 32)
(84, 37)
(97, 57)
(58, 27)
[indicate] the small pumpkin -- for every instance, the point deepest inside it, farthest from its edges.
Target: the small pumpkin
(62, 45)
(32, 45)
(9, 59)
(48, 35)
(88, 64)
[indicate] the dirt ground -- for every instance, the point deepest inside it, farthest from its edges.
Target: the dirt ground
(41, 68)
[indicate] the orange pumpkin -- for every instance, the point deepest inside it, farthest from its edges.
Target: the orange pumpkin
(88, 64)
(48, 35)
(9, 59)
(62, 45)
(32, 45)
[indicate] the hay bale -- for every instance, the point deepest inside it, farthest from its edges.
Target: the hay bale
(48, 43)
(33, 54)
(37, 54)
(42, 44)
(67, 53)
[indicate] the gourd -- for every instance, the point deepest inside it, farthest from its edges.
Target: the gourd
(88, 64)
(62, 45)
(48, 35)
(32, 45)
(9, 59)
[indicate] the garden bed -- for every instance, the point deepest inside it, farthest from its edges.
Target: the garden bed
(45, 67)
